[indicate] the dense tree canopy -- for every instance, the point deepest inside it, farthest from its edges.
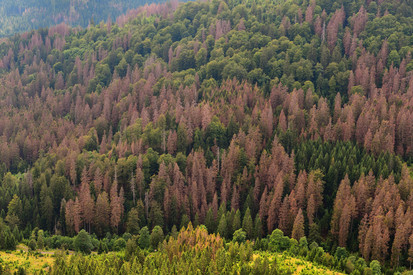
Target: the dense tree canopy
(293, 116)
(24, 15)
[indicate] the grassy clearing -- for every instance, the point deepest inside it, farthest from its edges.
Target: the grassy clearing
(292, 265)
(33, 262)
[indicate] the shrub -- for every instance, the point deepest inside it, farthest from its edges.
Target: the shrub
(103, 247)
(278, 242)
(239, 236)
(83, 242)
(119, 244)
(32, 244)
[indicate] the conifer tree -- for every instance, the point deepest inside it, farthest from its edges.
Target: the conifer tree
(236, 223)
(132, 224)
(247, 224)
(144, 238)
(222, 226)
(298, 227)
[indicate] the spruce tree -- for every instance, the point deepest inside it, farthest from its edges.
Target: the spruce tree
(247, 224)
(156, 236)
(222, 226)
(236, 223)
(258, 229)
(144, 238)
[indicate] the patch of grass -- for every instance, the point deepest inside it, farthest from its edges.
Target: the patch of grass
(32, 262)
(291, 265)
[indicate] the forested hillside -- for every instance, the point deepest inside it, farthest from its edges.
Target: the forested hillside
(24, 15)
(255, 115)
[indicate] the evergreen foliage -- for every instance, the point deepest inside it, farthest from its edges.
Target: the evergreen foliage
(83, 243)
(289, 115)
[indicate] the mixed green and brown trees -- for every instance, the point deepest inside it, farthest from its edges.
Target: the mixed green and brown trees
(21, 16)
(258, 116)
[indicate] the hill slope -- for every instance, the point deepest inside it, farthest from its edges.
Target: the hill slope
(23, 15)
(232, 114)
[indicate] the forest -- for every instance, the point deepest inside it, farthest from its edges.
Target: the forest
(25, 15)
(282, 126)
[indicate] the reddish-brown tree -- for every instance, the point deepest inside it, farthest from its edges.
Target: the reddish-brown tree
(298, 227)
